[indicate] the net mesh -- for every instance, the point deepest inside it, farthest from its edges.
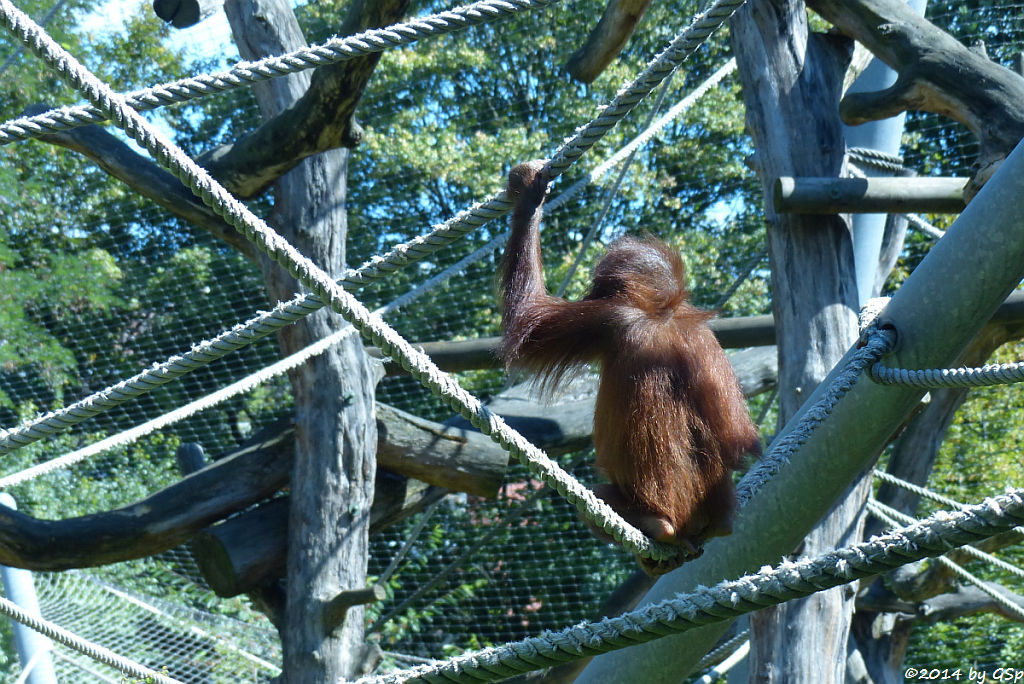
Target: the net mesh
(151, 278)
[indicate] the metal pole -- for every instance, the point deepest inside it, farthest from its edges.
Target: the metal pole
(884, 136)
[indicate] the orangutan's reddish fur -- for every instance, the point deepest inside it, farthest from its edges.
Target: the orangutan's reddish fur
(671, 423)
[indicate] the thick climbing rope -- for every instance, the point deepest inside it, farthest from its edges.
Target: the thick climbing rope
(924, 226)
(246, 73)
(682, 46)
(894, 518)
(939, 499)
(877, 159)
(46, 19)
(610, 194)
(318, 281)
(645, 137)
(876, 343)
(903, 518)
(931, 378)
(84, 646)
(726, 600)
(285, 313)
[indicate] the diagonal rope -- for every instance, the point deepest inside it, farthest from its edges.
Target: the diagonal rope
(904, 519)
(79, 411)
(728, 599)
(923, 492)
(318, 281)
(251, 331)
(877, 342)
(246, 73)
(71, 640)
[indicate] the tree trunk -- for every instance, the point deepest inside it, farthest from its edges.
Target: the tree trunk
(791, 83)
(332, 483)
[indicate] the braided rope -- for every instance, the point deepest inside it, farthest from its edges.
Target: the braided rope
(87, 408)
(932, 536)
(684, 44)
(877, 342)
(623, 153)
(932, 378)
(917, 489)
(877, 159)
(894, 518)
(319, 282)
(245, 73)
(913, 219)
(83, 646)
(924, 226)
(922, 492)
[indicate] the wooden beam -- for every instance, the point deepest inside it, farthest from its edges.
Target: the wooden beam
(874, 195)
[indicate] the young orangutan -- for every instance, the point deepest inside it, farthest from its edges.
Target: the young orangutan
(670, 423)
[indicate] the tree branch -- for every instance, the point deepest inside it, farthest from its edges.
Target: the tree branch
(936, 74)
(322, 119)
(145, 177)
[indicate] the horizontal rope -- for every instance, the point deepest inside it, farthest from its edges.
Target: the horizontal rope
(877, 159)
(726, 600)
(246, 73)
(932, 378)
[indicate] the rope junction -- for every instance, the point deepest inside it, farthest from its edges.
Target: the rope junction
(285, 313)
(258, 327)
(876, 343)
(246, 73)
(931, 536)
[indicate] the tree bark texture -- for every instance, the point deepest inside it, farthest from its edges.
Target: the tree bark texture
(792, 81)
(332, 484)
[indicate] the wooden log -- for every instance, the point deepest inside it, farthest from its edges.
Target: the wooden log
(606, 39)
(461, 355)
(451, 457)
(875, 195)
(248, 551)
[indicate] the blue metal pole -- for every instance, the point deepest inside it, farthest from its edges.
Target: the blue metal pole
(884, 136)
